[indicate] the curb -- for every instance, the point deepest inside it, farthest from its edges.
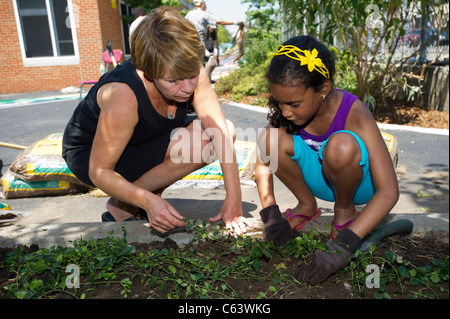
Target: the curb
(47, 236)
(261, 109)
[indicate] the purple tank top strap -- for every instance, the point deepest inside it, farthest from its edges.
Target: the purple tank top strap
(338, 124)
(341, 115)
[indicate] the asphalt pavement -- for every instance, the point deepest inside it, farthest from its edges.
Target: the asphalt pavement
(423, 170)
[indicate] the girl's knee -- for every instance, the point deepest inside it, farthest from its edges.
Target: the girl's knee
(342, 150)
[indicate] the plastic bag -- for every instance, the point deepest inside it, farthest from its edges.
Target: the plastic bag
(40, 170)
(42, 161)
(392, 146)
(12, 187)
(211, 176)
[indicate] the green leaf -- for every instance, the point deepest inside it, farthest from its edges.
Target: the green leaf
(402, 271)
(435, 278)
(256, 264)
(280, 266)
(372, 249)
(389, 256)
(172, 269)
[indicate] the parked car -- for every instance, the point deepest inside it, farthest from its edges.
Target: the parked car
(413, 37)
(441, 39)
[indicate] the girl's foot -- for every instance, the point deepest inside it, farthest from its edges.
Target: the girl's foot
(342, 219)
(299, 217)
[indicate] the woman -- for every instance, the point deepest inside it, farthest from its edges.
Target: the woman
(118, 138)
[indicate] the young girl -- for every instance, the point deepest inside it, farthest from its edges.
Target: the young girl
(328, 146)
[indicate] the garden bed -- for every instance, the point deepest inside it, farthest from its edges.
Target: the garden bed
(217, 267)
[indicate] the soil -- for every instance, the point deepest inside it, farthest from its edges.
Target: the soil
(416, 249)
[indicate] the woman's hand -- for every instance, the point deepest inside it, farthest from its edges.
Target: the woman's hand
(231, 213)
(162, 216)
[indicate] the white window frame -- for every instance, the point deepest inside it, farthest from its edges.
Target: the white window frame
(55, 60)
(127, 56)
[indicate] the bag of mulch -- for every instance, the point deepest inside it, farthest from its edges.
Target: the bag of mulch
(392, 146)
(13, 187)
(42, 161)
(211, 176)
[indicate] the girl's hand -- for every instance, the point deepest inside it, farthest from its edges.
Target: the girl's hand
(276, 228)
(323, 264)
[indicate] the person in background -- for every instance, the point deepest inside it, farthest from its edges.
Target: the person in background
(202, 21)
(139, 13)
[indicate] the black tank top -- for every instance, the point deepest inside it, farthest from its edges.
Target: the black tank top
(81, 128)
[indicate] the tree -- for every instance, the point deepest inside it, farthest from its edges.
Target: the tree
(372, 32)
(149, 5)
(264, 31)
(223, 35)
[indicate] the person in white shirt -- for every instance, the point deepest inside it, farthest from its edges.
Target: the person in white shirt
(201, 19)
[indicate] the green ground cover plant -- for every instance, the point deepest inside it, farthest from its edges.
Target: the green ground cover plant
(214, 265)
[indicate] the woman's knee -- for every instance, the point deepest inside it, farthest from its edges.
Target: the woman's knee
(231, 130)
(193, 144)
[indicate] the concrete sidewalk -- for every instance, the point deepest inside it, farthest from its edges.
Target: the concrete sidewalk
(423, 180)
(61, 220)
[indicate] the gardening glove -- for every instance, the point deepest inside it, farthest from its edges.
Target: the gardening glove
(324, 264)
(276, 228)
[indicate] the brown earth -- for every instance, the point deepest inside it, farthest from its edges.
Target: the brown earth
(412, 251)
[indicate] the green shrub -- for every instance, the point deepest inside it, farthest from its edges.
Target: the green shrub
(243, 82)
(345, 76)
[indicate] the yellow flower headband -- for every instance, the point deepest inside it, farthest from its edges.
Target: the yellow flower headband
(308, 58)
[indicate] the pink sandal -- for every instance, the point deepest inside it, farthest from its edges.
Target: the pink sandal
(306, 219)
(340, 227)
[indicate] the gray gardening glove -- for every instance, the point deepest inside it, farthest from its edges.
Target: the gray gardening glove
(324, 264)
(276, 228)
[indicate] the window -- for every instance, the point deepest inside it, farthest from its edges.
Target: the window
(45, 33)
(126, 11)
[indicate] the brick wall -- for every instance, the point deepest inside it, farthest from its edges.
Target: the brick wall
(111, 25)
(97, 22)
